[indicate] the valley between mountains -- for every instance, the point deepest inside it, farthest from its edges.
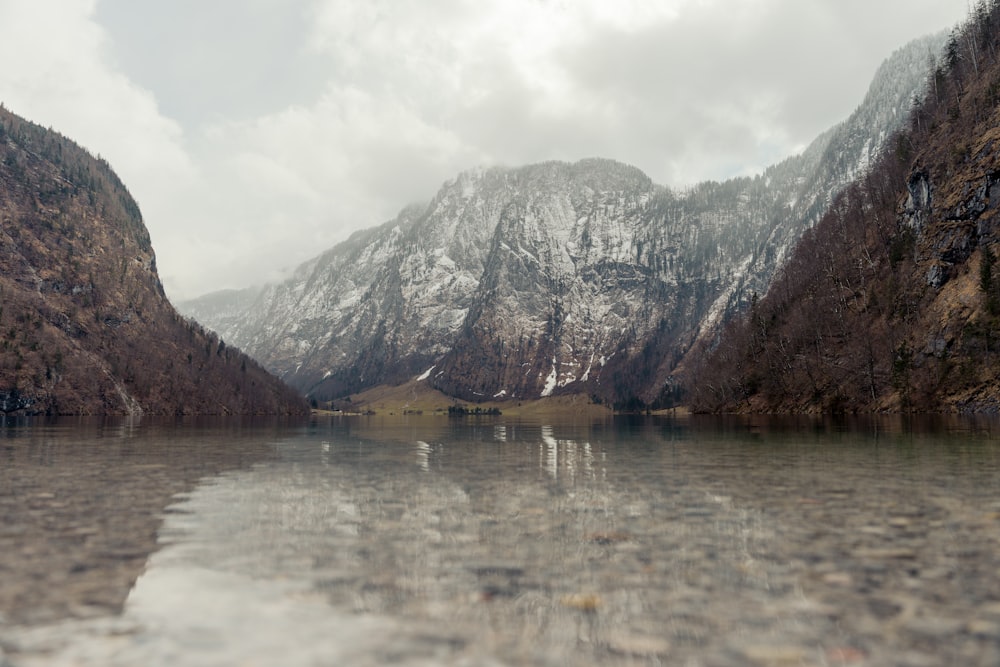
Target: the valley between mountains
(856, 276)
(554, 279)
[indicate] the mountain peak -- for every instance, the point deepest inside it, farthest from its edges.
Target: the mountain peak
(558, 277)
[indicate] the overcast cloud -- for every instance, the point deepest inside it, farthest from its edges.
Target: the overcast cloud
(257, 133)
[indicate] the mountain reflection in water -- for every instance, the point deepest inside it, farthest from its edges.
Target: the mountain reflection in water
(369, 542)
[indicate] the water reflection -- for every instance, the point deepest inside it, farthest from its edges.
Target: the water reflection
(423, 455)
(82, 500)
(660, 542)
(566, 456)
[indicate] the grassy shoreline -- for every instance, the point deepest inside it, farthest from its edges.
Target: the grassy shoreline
(416, 398)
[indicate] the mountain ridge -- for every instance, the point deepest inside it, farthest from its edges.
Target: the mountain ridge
(891, 302)
(561, 287)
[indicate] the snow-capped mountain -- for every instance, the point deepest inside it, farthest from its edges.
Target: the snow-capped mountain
(552, 278)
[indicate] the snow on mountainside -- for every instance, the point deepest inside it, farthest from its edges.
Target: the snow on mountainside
(583, 278)
(892, 302)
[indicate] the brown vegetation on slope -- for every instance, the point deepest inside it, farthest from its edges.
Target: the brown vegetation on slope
(892, 302)
(85, 327)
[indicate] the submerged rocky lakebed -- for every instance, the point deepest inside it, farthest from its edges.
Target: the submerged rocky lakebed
(426, 541)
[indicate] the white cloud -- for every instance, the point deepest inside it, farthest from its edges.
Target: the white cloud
(257, 133)
(56, 74)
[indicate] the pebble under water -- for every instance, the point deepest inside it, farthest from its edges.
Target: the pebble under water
(370, 541)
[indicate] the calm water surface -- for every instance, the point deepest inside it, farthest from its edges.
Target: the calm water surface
(371, 541)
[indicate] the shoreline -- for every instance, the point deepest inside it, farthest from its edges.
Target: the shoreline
(416, 398)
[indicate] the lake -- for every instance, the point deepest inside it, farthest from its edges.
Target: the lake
(488, 541)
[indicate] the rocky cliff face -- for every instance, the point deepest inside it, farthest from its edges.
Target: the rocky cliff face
(84, 325)
(553, 278)
(892, 302)
(566, 286)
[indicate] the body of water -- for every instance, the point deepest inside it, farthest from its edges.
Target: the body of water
(426, 541)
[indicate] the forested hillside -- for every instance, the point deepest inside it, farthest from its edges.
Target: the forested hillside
(892, 302)
(85, 327)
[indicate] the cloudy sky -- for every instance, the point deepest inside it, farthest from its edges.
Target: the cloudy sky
(257, 133)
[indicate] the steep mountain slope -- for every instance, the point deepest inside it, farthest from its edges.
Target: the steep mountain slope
(554, 278)
(84, 325)
(891, 302)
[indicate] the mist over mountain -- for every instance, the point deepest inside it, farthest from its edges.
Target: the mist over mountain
(85, 327)
(582, 278)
